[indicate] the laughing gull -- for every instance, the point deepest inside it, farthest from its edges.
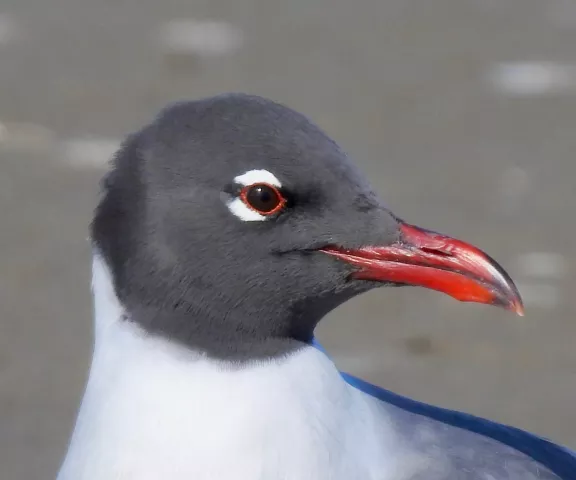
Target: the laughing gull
(228, 228)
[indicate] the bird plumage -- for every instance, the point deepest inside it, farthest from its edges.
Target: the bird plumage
(207, 295)
(154, 409)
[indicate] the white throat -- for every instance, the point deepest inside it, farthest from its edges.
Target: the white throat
(155, 410)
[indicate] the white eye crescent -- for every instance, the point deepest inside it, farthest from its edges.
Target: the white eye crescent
(257, 176)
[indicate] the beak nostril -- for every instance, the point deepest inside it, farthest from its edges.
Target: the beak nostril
(437, 252)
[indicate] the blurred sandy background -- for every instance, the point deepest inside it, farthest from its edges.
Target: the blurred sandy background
(463, 112)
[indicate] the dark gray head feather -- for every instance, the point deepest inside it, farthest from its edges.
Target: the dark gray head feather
(184, 267)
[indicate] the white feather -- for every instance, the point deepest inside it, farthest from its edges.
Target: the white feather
(257, 176)
(155, 410)
(244, 212)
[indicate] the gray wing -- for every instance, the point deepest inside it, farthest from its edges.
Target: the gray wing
(445, 452)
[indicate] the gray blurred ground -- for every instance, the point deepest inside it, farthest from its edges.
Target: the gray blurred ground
(404, 85)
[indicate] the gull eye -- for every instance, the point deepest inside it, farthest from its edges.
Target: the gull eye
(263, 198)
(255, 196)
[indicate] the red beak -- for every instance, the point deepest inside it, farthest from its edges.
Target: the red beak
(427, 259)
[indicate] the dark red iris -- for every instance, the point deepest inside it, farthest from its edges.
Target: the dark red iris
(264, 198)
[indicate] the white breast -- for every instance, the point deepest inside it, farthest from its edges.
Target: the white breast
(154, 410)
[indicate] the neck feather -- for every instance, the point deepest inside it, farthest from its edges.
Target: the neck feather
(157, 409)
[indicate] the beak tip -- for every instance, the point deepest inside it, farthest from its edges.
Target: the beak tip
(517, 307)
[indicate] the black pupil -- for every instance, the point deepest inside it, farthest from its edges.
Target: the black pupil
(263, 198)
